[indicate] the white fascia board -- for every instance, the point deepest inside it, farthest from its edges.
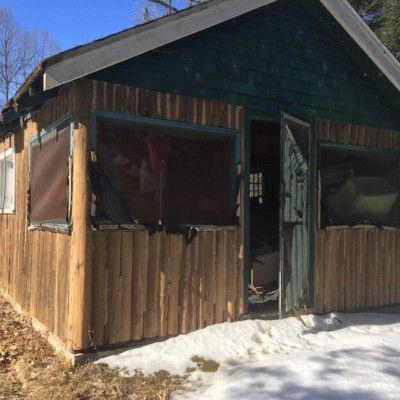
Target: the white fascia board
(353, 24)
(146, 38)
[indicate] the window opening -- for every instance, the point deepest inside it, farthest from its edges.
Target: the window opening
(358, 187)
(256, 187)
(159, 175)
(50, 156)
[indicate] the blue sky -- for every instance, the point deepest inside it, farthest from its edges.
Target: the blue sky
(73, 22)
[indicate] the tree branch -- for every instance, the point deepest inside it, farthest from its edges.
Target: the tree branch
(171, 9)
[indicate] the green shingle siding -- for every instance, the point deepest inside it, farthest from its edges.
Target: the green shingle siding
(274, 59)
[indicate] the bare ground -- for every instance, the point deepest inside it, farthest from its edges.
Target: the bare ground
(30, 369)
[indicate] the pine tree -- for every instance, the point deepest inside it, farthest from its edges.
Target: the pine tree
(383, 17)
(390, 30)
(371, 11)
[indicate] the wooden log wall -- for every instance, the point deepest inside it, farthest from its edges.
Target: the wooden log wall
(155, 286)
(356, 268)
(340, 132)
(81, 264)
(34, 266)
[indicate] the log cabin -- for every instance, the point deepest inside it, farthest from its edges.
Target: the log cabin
(236, 159)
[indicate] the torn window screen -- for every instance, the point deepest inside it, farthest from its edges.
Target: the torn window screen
(359, 187)
(49, 177)
(168, 176)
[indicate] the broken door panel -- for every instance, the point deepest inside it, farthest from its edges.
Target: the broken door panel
(294, 215)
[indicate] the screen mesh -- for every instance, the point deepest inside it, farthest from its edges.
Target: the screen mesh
(49, 180)
(168, 175)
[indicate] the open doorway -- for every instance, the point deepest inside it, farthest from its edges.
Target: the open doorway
(264, 218)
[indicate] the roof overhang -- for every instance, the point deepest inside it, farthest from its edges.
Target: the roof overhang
(131, 43)
(87, 59)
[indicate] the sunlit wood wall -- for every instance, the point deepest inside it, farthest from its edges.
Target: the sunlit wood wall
(356, 268)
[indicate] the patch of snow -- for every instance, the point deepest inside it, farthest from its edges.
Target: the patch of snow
(338, 356)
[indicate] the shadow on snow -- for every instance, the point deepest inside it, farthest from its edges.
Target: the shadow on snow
(287, 385)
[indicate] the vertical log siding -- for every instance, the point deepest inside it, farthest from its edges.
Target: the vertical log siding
(157, 286)
(34, 265)
(356, 268)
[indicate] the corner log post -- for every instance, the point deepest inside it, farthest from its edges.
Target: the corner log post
(81, 268)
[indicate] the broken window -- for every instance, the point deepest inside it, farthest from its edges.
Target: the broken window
(164, 175)
(7, 181)
(49, 176)
(358, 186)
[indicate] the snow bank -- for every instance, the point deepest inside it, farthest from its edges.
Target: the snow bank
(288, 359)
(224, 343)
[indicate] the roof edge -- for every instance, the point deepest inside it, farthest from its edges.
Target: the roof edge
(86, 59)
(129, 44)
(29, 80)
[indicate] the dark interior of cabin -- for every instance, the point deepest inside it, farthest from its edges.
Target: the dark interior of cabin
(359, 187)
(156, 175)
(264, 217)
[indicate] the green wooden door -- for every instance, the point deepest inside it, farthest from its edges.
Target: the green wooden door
(294, 215)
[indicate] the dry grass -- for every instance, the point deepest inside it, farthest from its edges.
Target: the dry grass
(205, 365)
(29, 369)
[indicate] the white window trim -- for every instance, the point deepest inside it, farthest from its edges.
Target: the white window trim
(3, 155)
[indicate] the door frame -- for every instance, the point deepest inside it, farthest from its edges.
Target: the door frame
(248, 117)
(247, 170)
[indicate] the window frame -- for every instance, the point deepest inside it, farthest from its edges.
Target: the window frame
(235, 134)
(257, 187)
(55, 125)
(3, 156)
(323, 144)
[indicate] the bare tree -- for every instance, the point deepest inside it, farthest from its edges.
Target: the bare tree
(14, 45)
(166, 5)
(43, 45)
(20, 52)
(156, 8)
(192, 3)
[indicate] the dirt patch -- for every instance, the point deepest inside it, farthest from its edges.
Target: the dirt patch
(29, 369)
